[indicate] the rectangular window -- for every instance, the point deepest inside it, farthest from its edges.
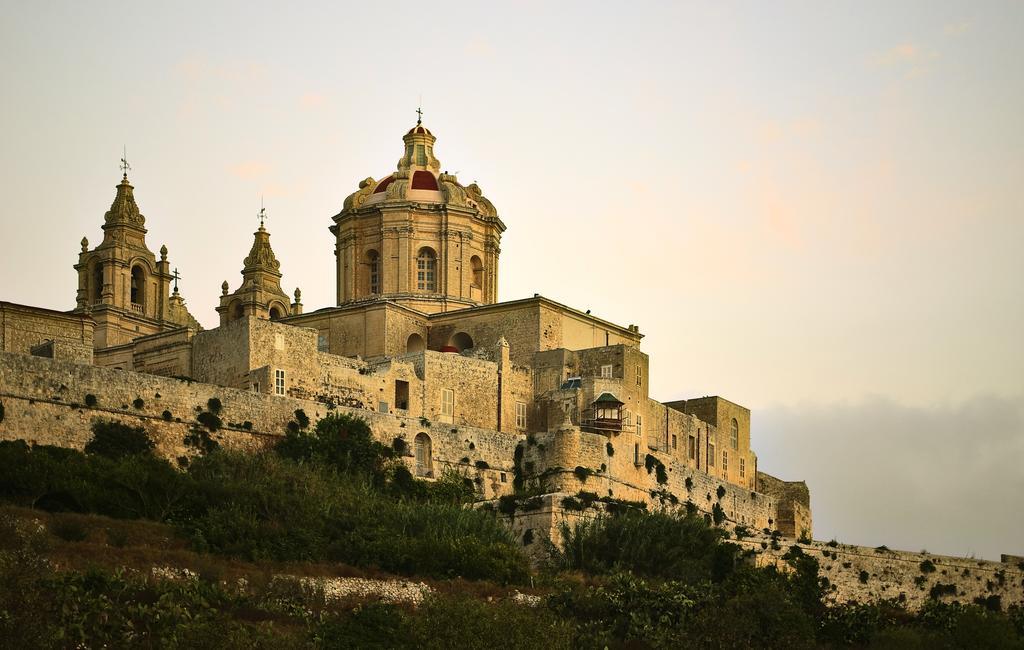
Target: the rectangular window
(520, 415)
(636, 453)
(401, 394)
(256, 387)
(606, 371)
(691, 448)
(743, 468)
(426, 270)
(725, 462)
(639, 426)
(504, 477)
(674, 446)
(447, 402)
(375, 276)
(639, 376)
(711, 455)
(321, 342)
(279, 382)
(383, 407)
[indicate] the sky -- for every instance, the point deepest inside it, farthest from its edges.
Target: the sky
(812, 209)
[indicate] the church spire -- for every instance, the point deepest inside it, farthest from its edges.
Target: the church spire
(124, 211)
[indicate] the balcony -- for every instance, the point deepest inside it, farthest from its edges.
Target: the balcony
(138, 309)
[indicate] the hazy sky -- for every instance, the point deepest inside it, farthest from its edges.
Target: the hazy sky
(813, 209)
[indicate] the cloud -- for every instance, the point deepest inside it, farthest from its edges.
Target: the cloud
(947, 478)
(907, 56)
(312, 100)
(249, 169)
(956, 29)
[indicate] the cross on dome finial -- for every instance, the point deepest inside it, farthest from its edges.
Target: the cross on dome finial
(125, 167)
(176, 276)
(419, 114)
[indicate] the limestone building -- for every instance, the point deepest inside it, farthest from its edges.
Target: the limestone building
(528, 394)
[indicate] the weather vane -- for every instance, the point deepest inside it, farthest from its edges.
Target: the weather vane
(125, 167)
(263, 212)
(175, 276)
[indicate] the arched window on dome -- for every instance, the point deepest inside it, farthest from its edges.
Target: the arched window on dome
(478, 271)
(373, 268)
(426, 270)
(734, 434)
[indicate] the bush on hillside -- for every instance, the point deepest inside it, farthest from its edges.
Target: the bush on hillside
(116, 440)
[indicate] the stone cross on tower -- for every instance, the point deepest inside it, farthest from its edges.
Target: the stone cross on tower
(175, 275)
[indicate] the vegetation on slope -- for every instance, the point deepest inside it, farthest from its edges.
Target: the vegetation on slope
(334, 495)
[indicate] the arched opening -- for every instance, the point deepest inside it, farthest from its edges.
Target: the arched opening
(462, 342)
(235, 310)
(97, 281)
(373, 268)
(275, 312)
(426, 270)
(478, 271)
(734, 434)
(415, 343)
(424, 456)
(138, 285)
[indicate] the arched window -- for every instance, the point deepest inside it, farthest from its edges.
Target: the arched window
(426, 270)
(415, 343)
(478, 271)
(138, 285)
(97, 281)
(235, 310)
(462, 341)
(734, 434)
(275, 312)
(424, 456)
(373, 266)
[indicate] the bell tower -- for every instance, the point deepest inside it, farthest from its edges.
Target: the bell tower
(121, 283)
(418, 237)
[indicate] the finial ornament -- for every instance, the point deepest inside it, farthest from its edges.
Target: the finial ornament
(85, 244)
(163, 253)
(298, 295)
(224, 288)
(125, 167)
(263, 213)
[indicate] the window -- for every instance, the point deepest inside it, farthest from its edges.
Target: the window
(504, 477)
(279, 382)
(711, 455)
(674, 446)
(639, 426)
(606, 371)
(373, 262)
(639, 376)
(636, 453)
(725, 462)
(321, 342)
(401, 394)
(743, 468)
(97, 282)
(383, 407)
(421, 155)
(478, 271)
(691, 448)
(734, 435)
(138, 285)
(447, 402)
(426, 270)
(256, 387)
(520, 415)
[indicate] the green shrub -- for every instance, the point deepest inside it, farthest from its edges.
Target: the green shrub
(482, 464)
(90, 400)
(939, 590)
(214, 405)
(863, 577)
(927, 566)
(689, 483)
(717, 514)
(1, 411)
(582, 473)
(720, 492)
(166, 415)
(339, 441)
(113, 439)
(138, 403)
(209, 420)
(609, 448)
(660, 474)
(302, 418)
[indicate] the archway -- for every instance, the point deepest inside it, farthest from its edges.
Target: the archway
(235, 310)
(415, 343)
(424, 456)
(478, 271)
(462, 342)
(275, 312)
(138, 293)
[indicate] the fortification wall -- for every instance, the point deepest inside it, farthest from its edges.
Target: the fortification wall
(45, 403)
(858, 573)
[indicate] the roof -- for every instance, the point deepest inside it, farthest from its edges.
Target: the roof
(608, 398)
